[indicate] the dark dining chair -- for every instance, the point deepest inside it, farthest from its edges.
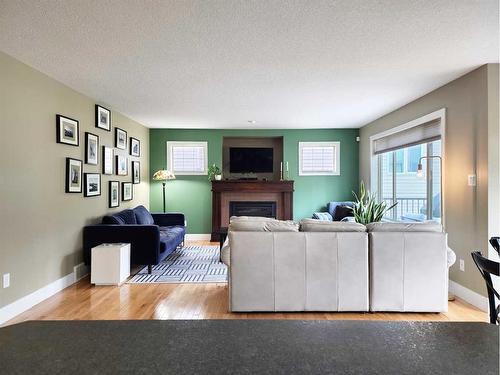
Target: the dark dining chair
(495, 242)
(487, 268)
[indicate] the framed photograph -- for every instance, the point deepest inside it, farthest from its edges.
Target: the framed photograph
(120, 139)
(92, 184)
(73, 175)
(91, 148)
(136, 172)
(135, 147)
(102, 118)
(114, 194)
(127, 193)
(68, 131)
(121, 165)
(107, 160)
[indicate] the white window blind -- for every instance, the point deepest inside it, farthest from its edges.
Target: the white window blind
(319, 158)
(424, 133)
(187, 158)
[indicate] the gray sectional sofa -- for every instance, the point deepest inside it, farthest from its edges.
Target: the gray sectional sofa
(335, 266)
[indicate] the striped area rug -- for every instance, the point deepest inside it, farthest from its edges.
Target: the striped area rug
(190, 264)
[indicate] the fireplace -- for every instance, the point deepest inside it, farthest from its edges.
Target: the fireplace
(244, 208)
(250, 198)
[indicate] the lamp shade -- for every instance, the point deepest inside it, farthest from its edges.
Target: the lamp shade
(163, 175)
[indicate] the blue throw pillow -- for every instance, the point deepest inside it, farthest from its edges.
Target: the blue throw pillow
(127, 216)
(143, 216)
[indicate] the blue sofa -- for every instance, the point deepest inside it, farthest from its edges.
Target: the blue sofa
(151, 236)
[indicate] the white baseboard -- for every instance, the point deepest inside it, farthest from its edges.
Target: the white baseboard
(21, 305)
(198, 237)
(469, 296)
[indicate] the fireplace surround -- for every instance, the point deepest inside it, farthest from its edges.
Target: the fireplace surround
(270, 198)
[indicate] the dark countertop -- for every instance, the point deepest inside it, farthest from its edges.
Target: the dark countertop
(249, 347)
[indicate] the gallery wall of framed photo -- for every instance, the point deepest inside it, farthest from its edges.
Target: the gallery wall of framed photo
(45, 157)
(104, 160)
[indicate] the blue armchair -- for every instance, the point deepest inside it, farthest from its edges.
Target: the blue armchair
(151, 236)
(336, 211)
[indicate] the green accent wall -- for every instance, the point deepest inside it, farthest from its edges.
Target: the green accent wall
(192, 194)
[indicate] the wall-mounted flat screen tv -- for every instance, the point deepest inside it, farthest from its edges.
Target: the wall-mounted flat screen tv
(250, 160)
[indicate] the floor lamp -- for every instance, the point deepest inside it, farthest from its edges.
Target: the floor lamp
(163, 175)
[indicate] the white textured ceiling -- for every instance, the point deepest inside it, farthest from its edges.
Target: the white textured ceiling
(220, 63)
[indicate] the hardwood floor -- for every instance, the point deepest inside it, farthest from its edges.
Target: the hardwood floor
(83, 301)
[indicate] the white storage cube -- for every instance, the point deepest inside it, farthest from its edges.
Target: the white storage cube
(110, 263)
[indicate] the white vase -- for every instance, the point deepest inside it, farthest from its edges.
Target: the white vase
(218, 177)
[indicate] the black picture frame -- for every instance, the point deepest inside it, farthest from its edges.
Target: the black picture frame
(113, 184)
(86, 190)
(107, 164)
(136, 172)
(89, 137)
(99, 109)
(69, 177)
(120, 143)
(124, 198)
(121, 171)
(133, 143)
(65, 125)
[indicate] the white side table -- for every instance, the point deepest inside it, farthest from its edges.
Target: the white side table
(110, 263)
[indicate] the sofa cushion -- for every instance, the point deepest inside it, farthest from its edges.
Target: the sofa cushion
(143, 216)
(120, 218)
(312, 225)
(430, 226)
(225, 253)
(322, 216)
(250, 224)
(332, 206)
(170, 237)
(343, 211)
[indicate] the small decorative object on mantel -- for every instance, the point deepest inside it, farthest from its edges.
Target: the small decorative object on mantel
(135, 147)
(136, 172)
(102, 118)
(114, 194)
(107, 160)
(163, 175)
(92, 183)
(91, 147)
(73, 175)
(284, 176)
(120, 139)
(121, 165)
(366, 209)
(68, 131)
(127, 193)
(214, 173)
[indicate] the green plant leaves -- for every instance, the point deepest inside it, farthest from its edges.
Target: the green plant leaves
(366, 208)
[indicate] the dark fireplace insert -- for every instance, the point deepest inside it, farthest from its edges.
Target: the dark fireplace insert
(263, 209)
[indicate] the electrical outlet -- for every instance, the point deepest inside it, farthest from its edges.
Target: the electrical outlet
(462, 265)
(471, 180)
(6, 280)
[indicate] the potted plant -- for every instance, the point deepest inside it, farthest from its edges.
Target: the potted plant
(214, 173)
(366, 208)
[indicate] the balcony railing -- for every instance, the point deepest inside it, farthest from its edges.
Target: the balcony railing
(406, 206)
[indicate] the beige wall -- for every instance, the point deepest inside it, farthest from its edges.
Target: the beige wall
(466, 152)
(41, 225)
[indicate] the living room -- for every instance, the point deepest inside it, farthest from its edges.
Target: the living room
(250, 187)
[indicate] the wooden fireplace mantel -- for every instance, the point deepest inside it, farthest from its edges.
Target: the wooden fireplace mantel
(226, 191)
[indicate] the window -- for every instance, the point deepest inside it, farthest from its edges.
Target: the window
(187, 158)
(319, 158)
(396, 156)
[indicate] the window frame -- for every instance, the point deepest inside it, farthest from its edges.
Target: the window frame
(336, 154)
(169, 148)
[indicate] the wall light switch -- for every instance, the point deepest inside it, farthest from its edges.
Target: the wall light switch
(6, 280)
(471, 180)
(462, 265)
